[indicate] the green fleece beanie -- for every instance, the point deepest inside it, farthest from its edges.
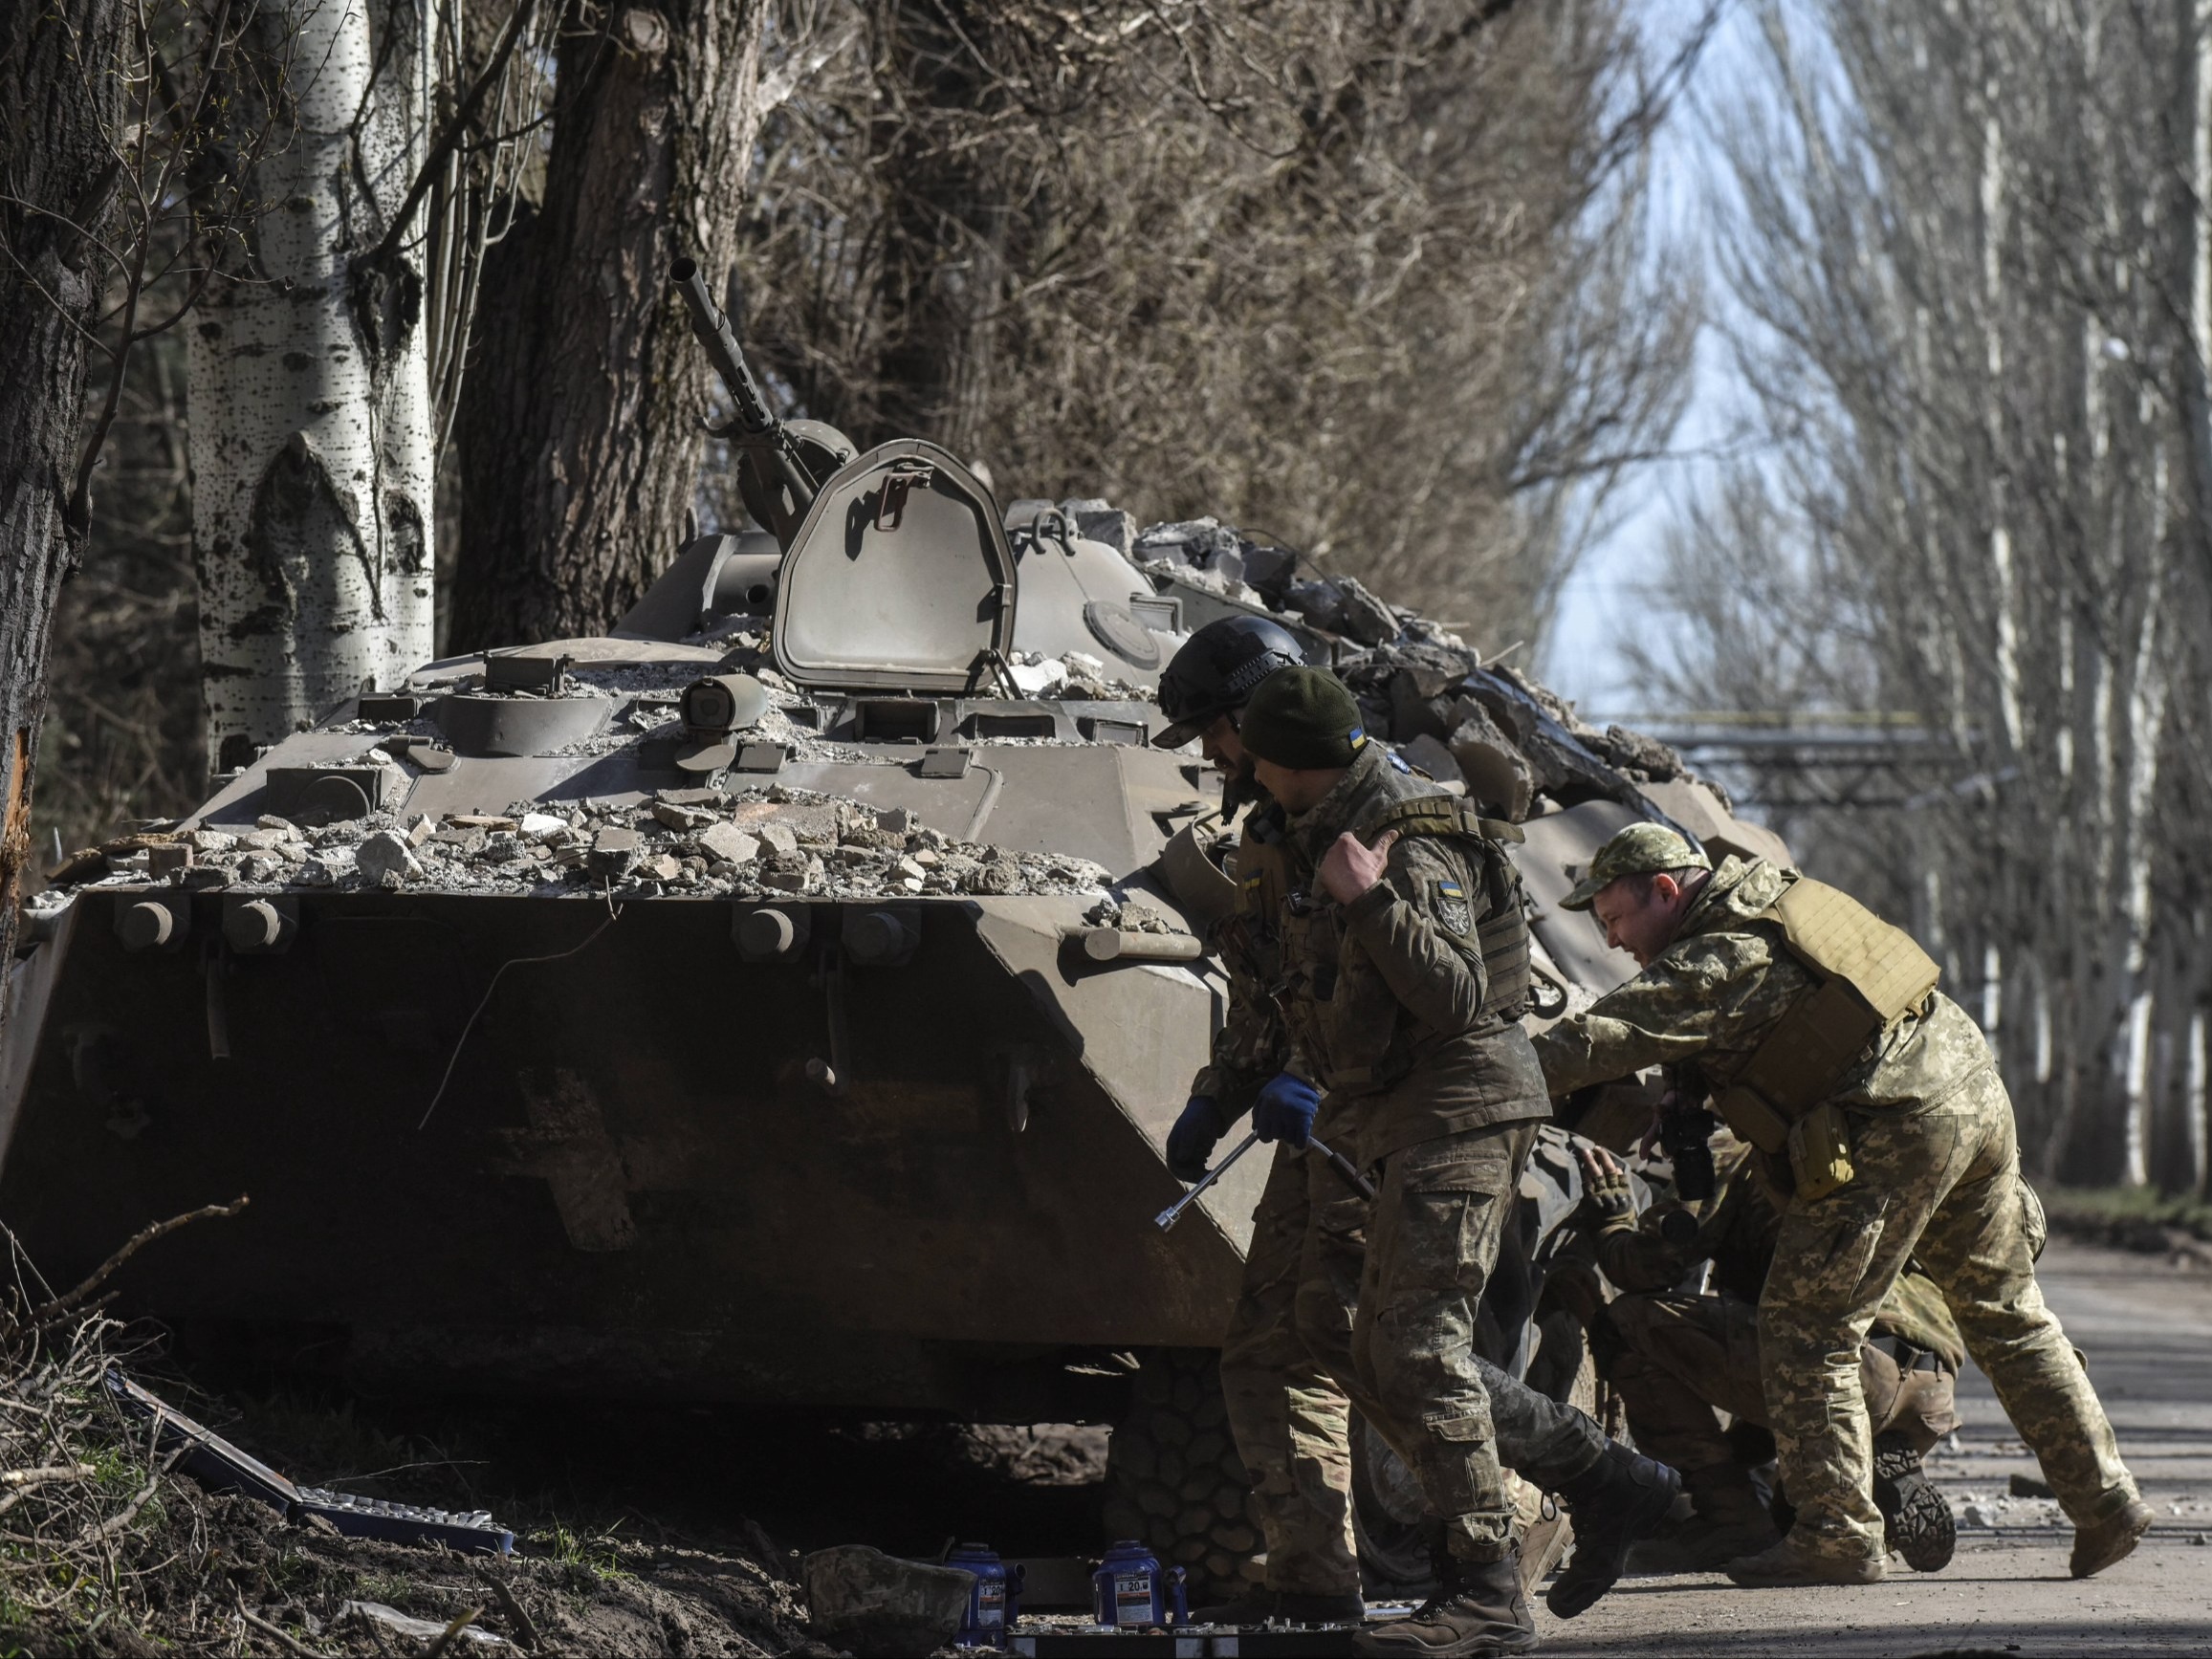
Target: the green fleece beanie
(1303, 718)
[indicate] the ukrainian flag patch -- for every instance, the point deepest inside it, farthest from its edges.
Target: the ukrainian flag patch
(1452, 906)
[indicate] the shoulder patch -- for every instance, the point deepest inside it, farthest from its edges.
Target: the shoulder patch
(1452, 906)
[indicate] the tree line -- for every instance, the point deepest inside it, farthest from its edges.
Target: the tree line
(1969, 261)
(369, 350)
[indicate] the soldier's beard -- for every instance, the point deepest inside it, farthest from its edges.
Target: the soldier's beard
(1239, 788)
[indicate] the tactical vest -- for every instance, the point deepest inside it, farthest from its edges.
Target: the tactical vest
(1871, 975)
(1502, 933)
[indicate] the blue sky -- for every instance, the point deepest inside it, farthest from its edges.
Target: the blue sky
(1618, 588)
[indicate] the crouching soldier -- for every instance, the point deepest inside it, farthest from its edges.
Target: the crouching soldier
(1817, 1030)
(1403, 972)
(1678, 1359)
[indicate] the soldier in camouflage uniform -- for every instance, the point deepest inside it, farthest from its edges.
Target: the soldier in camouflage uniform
(1907, 1143)
(1676, 1359)
(1401, 979)
(1286, 1361)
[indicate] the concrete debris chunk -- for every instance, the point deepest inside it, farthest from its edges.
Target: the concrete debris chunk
(1039, 679)
(613, 851)
(877, 1604)
(660, 867)
(207, 842)
(384, 853)
(1366, 618)
(541, 825)
(681, 818)
(729, 843)
(779, 838)
(1434, 759)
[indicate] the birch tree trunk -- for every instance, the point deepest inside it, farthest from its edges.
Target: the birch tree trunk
(311, 421)
(580, 419)
(61, 96)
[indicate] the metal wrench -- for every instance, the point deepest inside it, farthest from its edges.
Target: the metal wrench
(1173, 1213)
(1345, 1168)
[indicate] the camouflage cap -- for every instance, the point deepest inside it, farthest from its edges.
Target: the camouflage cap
(1638, 849)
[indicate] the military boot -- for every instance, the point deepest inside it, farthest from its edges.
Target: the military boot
(1264, 1606)
(1479, 1609)
(1618, 1499)
(1793, 1561)
(1916, 1519)
(2098, 1545)
(1729, 1520)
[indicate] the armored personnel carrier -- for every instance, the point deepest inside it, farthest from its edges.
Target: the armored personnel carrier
(785, 997)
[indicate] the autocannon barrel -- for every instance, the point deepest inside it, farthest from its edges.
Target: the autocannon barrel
(714, 331)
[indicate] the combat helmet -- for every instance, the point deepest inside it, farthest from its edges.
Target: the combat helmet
(1217, 671)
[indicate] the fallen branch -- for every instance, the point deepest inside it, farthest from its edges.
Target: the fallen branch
(53, 1471)
(62, 1306)
(292, 1643)
(121, 1521)
(525, 1632)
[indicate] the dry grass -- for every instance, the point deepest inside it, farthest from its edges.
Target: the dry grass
(105, 1551)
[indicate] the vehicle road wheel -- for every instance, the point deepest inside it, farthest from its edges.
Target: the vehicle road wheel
(1173, 1479)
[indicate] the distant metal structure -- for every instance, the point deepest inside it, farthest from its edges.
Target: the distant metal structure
(1779, 761)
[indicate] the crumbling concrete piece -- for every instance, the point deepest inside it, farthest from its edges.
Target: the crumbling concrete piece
(387, 853)
(729, 843)
(1497, 775)
(1366, 618)
(1039, 679)
(1699, 811)
(614, 850)
(877, 1604)
(1432, 758)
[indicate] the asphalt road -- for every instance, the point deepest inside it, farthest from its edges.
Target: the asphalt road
(2147, 1328)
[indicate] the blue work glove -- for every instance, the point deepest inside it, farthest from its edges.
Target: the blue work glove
(1192, 1140)
(1285, 1111)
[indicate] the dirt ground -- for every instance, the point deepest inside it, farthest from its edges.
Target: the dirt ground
(650, 1534)
(2146, 1325)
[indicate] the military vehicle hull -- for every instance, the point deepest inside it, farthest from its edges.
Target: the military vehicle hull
(923, 1185)
(785, 998)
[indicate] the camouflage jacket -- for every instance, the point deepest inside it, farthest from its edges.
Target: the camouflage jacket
(1251, 1045)
(1736, 1231)
(1384, 998)
(1705, 1004)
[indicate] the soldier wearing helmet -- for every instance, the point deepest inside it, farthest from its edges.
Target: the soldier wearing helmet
(1286, 1363)
(1817, 1030)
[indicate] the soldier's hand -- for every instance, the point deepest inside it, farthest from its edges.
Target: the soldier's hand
(1605, 1185)
(1285, 1111)
(1190, 1143)
(1351, 868)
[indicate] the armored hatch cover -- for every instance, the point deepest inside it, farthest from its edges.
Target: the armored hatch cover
(900, 576)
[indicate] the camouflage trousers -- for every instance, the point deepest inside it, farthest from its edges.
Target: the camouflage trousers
(1432, 1243)
(1287, 1369)
(1942, 1185)
(1677, 1361)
